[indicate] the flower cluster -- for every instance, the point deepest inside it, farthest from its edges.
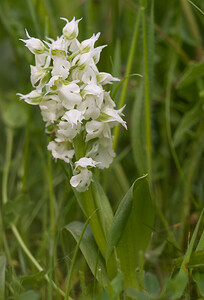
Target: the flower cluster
(69, 91)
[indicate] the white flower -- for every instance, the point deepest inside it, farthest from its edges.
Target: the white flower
(61, 67)
(67, 131)
(87, 75)
(82, 176)
(73, 116)
(35, 46)
(69, 94)
(107, 101)
(112, 116)
(58, 47)
(96, 129)
(81, 180)
(102, 152)
(69, 91)
(42, 60)
(96, 53)
(33, 97)
(87, 45)
(106, 78)
(51, 110)
(96, 90)
(70, 30)
(61, 151)
(89, 108)
(85, 162)
(83, 60)
(38, 75)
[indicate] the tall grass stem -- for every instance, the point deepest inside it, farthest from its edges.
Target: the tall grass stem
(127, 73)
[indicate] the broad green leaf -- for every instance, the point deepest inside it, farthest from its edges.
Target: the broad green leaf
(103, 205)
(151, 284)
(89, 250)
(198, 277)
(15, 114)
(116, 286)
(2, 275)
(131, 229)
(186, 123)
(193, 72)
(174, 287)
(137, 295)
(31, 295)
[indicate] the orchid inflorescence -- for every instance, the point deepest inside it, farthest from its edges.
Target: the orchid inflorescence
(69, 91)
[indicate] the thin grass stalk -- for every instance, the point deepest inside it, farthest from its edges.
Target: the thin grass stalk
(68, 287)
(52, 225)
(147, 96)
(193, 27)
(127, 74)
(169, 40)
(25, 156)
(172, 64)
(33, 260)
(195, 158)
(200, 10)
(9, 144)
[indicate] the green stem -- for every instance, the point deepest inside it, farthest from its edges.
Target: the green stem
(33, 260)
(172, 67)
(25, 156)
(196, 7)
(193, 27)
(88, 204)
(51, 197)
(147, 97)
(68, 287)
(131, 56)
(9, 143)
(90, 208)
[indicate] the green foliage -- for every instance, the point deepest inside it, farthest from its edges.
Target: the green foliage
(90, 251)
(131, 230)
(2, 275)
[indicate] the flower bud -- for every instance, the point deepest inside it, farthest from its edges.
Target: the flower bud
(70, 30)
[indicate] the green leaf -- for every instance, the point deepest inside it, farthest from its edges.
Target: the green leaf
(186, 123)
(196, 260)
(151, 284)
(200, 245)
(31, 295)
(18, 207)
(137, 295)
(104, 209)
(179, 283)
(198, 277)
(138, 131)
(34, 281)
(15, 114)
(131, 230)
(116, 286)
(193, 72)
(2, 275)
(89, 250)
